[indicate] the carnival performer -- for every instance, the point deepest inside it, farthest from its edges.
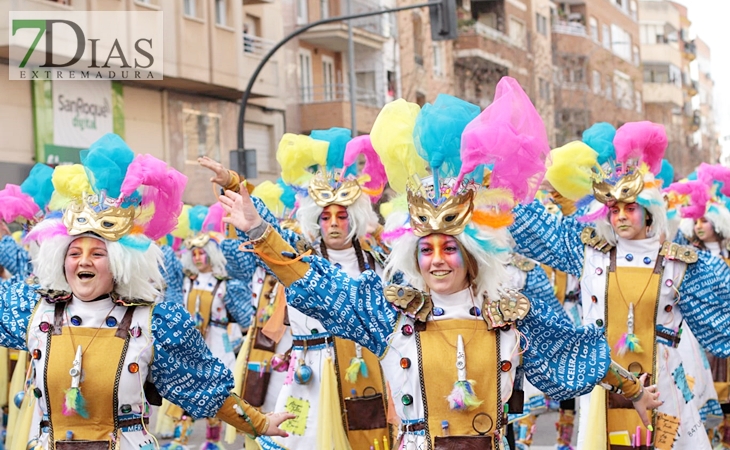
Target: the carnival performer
(334, 216)
(634, 285)
(93, 326)
(449, 345)
(703, 205)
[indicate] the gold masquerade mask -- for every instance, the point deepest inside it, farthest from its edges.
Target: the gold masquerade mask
(625, 190)
(111, 223)
(324, 195)
(451, 217)
(198, 241)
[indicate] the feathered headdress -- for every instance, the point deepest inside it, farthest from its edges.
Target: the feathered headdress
(27, 203)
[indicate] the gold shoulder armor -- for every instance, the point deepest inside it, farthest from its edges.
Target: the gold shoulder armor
(522, 263)
(590, 238)
(683, 253)
(409, 301)
(511, 306)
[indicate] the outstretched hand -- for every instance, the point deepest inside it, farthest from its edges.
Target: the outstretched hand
(649, 400)
(221, 175)
(276, 419)
(241, 212)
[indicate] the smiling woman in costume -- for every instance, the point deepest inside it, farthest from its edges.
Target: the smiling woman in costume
(92, 325)
(449, 343)
(637, 287)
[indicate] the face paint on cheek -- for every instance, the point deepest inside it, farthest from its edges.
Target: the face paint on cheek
(454, 260)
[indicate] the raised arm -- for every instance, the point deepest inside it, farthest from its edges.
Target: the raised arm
(238, 301)
(547, 238)
(704, 299)
(18, 300)
(173, 273)
(14, 257)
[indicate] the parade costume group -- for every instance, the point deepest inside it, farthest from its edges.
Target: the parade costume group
(432, 285)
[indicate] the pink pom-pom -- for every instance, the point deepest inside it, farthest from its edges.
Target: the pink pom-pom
(162, 187)
(711, 173)
(214, 219)
(16, 204)
(699, 195)
(361, 145)
(511, 136)
(642, 141)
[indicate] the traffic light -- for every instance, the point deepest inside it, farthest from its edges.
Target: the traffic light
(443, 20)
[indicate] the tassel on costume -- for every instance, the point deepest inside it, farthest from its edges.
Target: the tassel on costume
(357, 365)
(329, 411)
(74, 403)
(462, 397)
(628, 343)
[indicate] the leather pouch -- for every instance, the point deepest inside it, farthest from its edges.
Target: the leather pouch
(516, 402)
(366, 413)
(463, 442)
(82, 445)
(262, 342)
(257, 384)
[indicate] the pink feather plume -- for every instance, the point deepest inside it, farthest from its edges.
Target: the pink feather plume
(710, 173)
(162, 187)
(510, 135)
(214, 219)
(16, 204)
(699, 195)
(361, 145)
(47, 229)
(389, 236)
(601, 213)
(642, 141)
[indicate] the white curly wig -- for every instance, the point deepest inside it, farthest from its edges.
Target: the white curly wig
(136, 272)
(215, 256)
(653, 202)
(491, 265)
(719, 216)
(361, 215)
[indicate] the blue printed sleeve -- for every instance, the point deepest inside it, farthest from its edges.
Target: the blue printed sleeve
(547, 238)
(14, 257)
(18, 301)
(238, 301)
(351, 308)
(173, 273)
(560, 360)
(184, 370)
(539, 286)
(704, 299)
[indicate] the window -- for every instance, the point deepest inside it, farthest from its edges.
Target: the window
(417, 39)
(633, 8)
(305, 75)
(593, 25)
(596, 82)
(606, 37)
(637, 56)
(328, 77)
(438, 56)
(392, 86)
(624, 90)
(201, 134)
(621, 42)
(609, 87)
(544, 89)
(420, 99)
(189, 8)
(517, 32)
(221, 12)
(366, 92)
(324, 8)
(541, 22)
(302, 12)
(637, 101)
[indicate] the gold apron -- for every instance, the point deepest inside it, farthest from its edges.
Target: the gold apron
(374, 384)
(438, 374)
(559, 281)
(204, 307)
(632, 281)
(110, 344)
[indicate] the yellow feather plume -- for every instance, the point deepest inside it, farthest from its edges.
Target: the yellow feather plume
(270, 194)
(571, 170)
(392, 139)
(182, 230)
(70, 183)
(397, 204)
(296, 154)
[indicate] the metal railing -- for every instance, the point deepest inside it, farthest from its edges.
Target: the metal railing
(372, 24)
(256, 44)
(571, 28)
(325, 93)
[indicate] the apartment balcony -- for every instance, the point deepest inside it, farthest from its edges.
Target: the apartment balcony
(254, 49)
(477, 40)
(665, 93)
(661, 53)
(327, 106)
(692, 88)
(368, 32)
(690, 50)
(694, 121)
(569, 28)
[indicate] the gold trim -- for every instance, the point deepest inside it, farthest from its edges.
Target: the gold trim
(683, 253)
(411, 302)
(523, 263)
(451, 217)
(626, 189)
(590, 238)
